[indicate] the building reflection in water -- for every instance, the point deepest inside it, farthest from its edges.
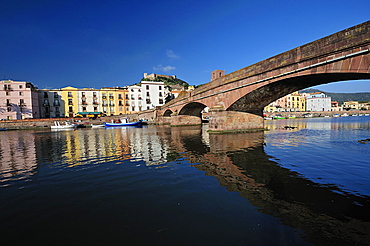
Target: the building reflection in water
(17, 155)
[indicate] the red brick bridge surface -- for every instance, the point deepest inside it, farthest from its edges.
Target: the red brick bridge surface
(236, 100)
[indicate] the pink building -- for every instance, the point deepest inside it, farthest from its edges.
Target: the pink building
(18, 100)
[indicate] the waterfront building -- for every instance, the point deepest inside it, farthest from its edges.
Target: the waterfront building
(18, 100)
(290, 103)
(293, 102)
(318, 102)
(364, 106)
(136, 99)
(114, 100)
(335, 106)
(351, 105)
(153, 94)
(70, 101)
(51, 103)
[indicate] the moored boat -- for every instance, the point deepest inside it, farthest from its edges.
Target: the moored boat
(123, 122)
(97, 126)
(67, 125)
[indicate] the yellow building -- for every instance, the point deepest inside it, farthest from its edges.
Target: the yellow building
(293, 100)
(88, 101)
(70, 101)
(114, 100)
(350, 105)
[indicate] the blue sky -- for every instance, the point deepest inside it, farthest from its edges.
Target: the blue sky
(92, 44)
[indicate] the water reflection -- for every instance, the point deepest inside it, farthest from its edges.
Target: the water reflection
(17, 156)
(326, 214)
(240, 164)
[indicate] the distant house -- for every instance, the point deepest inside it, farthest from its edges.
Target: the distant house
(318, 102)
(335, 106)
(350, 105)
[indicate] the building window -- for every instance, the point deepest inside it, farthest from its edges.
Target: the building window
(9, 109)
(20, 86)
(147, 87)
(83, 109)
(21, 93)
(160, 88)
(70, 109)
(70, 102)
(147, 94)
(69, 94)
(8, 93)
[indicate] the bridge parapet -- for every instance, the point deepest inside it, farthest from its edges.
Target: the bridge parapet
(355, 37)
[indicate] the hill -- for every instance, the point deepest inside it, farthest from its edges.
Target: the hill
(169, 81)
(343, 97)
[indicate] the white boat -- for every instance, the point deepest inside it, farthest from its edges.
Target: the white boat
(67, 125)
(336, 115)
(344, 115)
(96, 126)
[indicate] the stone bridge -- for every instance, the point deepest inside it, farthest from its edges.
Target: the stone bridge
(236, 100)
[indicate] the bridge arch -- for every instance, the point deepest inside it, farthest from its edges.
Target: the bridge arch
(193, 109)
(167, 113)
(254, 101)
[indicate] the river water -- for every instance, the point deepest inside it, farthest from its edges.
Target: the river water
(157, 185)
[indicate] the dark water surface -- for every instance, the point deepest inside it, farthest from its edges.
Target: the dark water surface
(181, 186)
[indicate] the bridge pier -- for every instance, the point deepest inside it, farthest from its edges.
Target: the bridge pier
(232, 121)
(185, 120)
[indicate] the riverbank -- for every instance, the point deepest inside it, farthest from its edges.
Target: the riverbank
(32, 124)
(301, 114)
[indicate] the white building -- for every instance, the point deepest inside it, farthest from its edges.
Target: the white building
(318, 102)
(18, 100)
(153, 94)
(136, 98)
(146, 96)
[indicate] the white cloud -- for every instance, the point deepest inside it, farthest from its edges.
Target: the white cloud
(171, 54)
(163, 69)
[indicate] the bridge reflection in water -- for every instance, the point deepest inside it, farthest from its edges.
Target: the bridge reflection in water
(240, 164)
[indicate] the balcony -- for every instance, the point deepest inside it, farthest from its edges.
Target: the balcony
(84, 103)
(22, 105)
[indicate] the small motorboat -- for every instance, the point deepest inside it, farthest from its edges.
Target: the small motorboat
(97, 126)
(3, 129)
(123, 122)
(67, 125)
